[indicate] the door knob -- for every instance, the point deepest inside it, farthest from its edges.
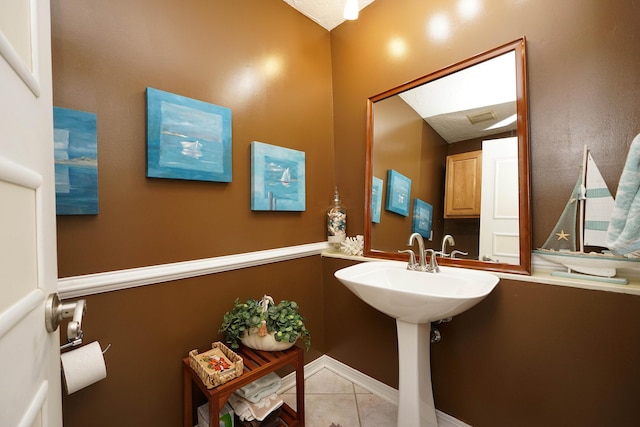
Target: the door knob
(55, 310)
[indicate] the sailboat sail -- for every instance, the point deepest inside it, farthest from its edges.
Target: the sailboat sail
(598, 207)
(286, 177)
(584, 222)
(563, 236)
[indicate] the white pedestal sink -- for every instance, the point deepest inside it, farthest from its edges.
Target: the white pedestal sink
(415, 299)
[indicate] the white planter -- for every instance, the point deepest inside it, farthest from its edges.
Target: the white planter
(267, 342)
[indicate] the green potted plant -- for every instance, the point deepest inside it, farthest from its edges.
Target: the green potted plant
(262, 325)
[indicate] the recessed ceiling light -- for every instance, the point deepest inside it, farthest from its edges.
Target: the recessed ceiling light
(481, 117)
(351, 10)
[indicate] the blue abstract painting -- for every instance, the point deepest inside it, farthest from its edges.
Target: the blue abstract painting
(187, 138)
(76, 162)
(277, 178)
(376, 199)
(398, 193)
(422, 218)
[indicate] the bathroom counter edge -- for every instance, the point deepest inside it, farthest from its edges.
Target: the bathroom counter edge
(542, 275)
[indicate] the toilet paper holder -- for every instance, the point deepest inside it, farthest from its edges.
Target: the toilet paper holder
(56, 310)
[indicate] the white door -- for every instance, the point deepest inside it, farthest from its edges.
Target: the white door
(30, 393)
(499, 232)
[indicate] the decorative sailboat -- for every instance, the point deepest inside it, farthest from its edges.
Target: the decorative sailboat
(191, 149)
(590, 205)
(285, 179)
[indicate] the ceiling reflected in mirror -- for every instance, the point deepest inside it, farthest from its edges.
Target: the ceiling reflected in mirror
(475, 102)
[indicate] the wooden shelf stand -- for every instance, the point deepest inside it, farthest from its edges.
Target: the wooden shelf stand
(256, 364)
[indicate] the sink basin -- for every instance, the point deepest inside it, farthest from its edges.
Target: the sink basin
(416, 296)
(415, 299)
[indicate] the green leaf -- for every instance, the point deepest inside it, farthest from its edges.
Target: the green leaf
(283, 319)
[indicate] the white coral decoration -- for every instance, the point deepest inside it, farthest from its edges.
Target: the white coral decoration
(353, 245)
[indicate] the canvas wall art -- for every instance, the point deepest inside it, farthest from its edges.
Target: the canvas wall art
(277, 178)
(398, 193)
(422, 218)
(76, 162)
(376, 199)
(187, 138)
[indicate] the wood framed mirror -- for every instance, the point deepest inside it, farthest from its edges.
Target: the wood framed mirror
(459, 137)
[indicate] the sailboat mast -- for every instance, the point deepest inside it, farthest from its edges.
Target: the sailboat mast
(582, 199)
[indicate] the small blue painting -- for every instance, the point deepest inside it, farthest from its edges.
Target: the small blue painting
(187, 138)
(277, 178)
(422, 218)
(76, 162)
(398, 193)
(376, 199)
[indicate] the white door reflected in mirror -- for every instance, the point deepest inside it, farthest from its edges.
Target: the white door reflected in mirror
(499, 236)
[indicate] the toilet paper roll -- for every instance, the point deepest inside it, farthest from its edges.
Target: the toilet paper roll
(83, 367)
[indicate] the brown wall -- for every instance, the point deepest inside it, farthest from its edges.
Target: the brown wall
(402, 136)
(369, 332)
(104, 56)
(530, 354)
(583, 87)
(151, 329)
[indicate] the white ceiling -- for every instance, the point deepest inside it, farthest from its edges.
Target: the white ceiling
(327, 13)
(445, 103)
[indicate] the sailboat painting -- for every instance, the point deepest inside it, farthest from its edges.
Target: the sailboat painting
(578, 241)
(422, 219)
(187, 138)
(277, 178)
(76, 162)
(376, 199)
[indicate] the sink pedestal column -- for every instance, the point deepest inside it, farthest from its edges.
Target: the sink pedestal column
(415, 406)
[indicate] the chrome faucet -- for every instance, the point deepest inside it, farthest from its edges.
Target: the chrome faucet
(421, 254)
(421, 265)
(446, 239)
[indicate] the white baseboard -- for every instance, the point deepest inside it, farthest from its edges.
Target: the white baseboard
(372, 385)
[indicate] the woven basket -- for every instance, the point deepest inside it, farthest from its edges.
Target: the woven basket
(268, 342)
(211, 377)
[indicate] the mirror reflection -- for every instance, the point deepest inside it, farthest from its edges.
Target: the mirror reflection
(447, 157)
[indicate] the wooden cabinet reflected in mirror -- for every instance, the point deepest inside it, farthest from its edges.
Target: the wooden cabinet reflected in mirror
(461, 136)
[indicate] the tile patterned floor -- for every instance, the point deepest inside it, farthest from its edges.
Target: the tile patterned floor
(331, 399)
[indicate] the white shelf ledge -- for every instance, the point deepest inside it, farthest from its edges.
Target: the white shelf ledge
(542, 275)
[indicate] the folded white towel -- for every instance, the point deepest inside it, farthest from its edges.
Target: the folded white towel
(249, 411)
(623, 234)
(261, 388)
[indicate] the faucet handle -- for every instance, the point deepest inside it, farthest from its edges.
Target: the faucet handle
(433, 262)
(412, 259)
(457, 252)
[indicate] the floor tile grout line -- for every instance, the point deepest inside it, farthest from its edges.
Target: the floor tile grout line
(355, 400)
(355, 396)
(353, 393)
